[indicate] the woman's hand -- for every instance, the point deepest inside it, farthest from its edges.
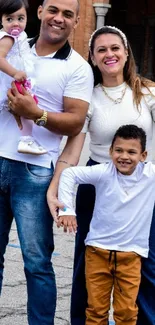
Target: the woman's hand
(54, 205)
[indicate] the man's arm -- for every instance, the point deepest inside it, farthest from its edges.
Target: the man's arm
(68, 179)
(69, 122)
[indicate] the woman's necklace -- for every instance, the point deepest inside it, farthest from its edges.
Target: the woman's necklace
(117, 100)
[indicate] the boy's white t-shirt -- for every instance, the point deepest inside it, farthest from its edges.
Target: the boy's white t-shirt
(123, 208)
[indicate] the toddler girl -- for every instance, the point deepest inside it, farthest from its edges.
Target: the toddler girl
(16, 63)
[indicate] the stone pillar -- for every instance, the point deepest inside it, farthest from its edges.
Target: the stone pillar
(101, 10)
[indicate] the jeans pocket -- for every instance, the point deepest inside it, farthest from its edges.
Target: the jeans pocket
(39, 171)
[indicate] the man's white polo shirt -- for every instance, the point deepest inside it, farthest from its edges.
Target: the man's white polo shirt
(62, 74)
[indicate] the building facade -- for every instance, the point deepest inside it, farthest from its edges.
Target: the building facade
(135, 17)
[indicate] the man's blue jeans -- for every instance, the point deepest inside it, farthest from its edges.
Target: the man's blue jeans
(23, 190)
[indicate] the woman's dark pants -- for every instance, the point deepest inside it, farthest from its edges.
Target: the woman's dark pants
(84, 209)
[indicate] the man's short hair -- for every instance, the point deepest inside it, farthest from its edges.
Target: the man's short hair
(78, 5)
(131, 131)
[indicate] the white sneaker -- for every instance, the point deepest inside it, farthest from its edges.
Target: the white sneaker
(27, 144)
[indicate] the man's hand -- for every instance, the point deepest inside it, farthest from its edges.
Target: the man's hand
(17, 118)
(67, 222)
(23, 104)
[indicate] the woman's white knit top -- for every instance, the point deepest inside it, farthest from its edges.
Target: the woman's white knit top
(105, 117)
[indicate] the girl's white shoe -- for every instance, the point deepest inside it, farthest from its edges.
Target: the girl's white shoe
(27, 144)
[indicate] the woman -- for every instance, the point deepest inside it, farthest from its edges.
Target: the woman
(120, 97)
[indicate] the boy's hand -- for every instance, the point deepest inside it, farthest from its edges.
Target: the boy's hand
(20, 76)
(67, 222)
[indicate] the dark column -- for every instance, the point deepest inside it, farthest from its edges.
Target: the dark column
(33, 23)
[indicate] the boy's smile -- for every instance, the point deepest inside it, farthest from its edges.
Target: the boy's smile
(126, 154)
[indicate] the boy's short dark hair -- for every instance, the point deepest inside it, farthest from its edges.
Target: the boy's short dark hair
(8, 7)
(131, 132)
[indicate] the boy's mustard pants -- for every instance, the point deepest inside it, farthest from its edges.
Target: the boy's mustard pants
(112, 270)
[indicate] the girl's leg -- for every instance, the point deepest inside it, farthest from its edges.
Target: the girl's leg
(27, 127)
(99, 281)
(126, 272)
(146, 296)
(84, 209)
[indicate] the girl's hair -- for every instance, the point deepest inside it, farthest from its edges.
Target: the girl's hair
(134, 81)
(8, 7)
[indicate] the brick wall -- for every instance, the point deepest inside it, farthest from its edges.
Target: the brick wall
(80, 37)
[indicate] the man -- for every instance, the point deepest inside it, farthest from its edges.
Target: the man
(64, 85)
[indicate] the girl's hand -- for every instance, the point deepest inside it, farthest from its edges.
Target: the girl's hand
(20, 76)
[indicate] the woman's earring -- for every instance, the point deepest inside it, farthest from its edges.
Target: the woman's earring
(126, 57)
(94, 64)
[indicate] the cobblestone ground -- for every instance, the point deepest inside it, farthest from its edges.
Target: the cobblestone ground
(13, 299)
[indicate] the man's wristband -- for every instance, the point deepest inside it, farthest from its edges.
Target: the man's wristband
(42, 120)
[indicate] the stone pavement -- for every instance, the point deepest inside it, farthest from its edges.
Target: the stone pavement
(13, 299)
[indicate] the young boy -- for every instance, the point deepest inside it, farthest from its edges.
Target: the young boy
(119, 230)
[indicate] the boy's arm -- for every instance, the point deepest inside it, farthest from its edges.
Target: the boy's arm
(72, 176)
(68, 179)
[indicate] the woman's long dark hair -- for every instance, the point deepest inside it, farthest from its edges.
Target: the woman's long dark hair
(135, 82)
